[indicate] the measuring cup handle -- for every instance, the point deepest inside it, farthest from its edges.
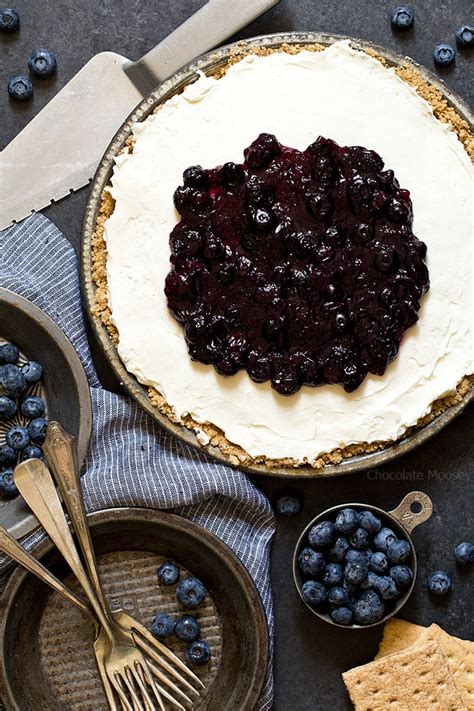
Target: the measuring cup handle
(408, 518)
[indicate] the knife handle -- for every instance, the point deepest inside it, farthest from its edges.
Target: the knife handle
(208, 27)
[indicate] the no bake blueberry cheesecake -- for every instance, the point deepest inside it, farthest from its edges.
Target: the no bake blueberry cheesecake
(284, 255)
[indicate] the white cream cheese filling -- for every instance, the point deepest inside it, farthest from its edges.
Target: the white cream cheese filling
(350, 97)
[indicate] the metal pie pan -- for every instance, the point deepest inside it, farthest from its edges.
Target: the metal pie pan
(46, 654)
(65, 385)
(211, 63)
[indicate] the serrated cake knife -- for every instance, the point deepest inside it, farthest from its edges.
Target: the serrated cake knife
(59, 150)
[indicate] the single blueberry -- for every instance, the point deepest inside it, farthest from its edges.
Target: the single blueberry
(31, 452)
(7, 484)
(190, 593)
(353, 556)
(18, 438)
(402, 17)
(32, 406)
(232, 175)
(359, 539)
(314, 593)
(32, 372)
(443, 54)
(9, 20)
(37, 429)
(187, 628)
(198, 653)
(342, 616)
(338, 597)
(311, 562)
(402, 575)
(464, 553)
(20, 88)
(168, 573)
(370, 523)
(287, 505)
(369, 608)
(385, 586)
(398, 552)
(440, 583)
(465, 36)
(338, 550)
(322, 534)
(332, 575)
(356, 572)
(8, 456)
(379, 563)
(9, 353)
(384, 538)
(13, 381)
(195, 177)
(370, 582)
(7, 408)
(346, 521)
(162, 626)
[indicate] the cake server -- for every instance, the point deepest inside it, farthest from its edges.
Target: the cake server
(58, 151)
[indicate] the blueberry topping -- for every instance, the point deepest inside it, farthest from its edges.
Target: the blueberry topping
(314, 593)
(402, 575)
(465, 36)
(187, 628)
(8, 456)
(359, 539)
(20, 88)
(342, 616)
(379, 563)
(372, 524)
(288, 505)
(332, 575)
(347, 521)
(398, 552)
(7, 408)
(402, 17)
(384, 538)
(9, 353)
(338, 597)
(440, 583)
(322, 534)
(444, 54)
(7, 484)
(32, 372)
(37, 430)
(42, 63)
(13, 381)
(198, 653)
(310, 562)
(168, 573)
(368, 609)
(162, 626)
(464, 553)
(32, 406)
(9, 20)
(31, 452)
(190, 593)
(18, 438)
(259, 243)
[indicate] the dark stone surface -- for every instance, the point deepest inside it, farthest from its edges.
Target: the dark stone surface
(309, 654)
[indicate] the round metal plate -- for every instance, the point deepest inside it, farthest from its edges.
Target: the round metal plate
(209, 64)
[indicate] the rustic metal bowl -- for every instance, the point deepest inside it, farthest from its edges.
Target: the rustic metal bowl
(402, 520)
(211, 63)
(46, 654)
(65, 386)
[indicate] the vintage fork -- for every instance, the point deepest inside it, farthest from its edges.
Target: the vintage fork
(60, 451)
(125, 665)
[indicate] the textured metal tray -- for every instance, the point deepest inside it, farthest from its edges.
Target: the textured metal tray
(46, 656)
(64, 385)
(211, 63)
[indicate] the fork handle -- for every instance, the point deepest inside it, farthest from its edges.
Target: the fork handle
(60, 452)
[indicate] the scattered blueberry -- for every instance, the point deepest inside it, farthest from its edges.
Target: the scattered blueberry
(356, 572)
(168, 573)
(369, 522)
(379, 563)
(31, 452)
(190, 592)
(368, 609)
(314, 593)
(443, 54)
(359, 539)
(18, 438)
(8, 456)
(311, 562)
(20, 88)
(402, 575)
(342, 616)
(187, 628)
(402, 17)
(37, 429)
(42, 63)
(440, 583)
(9, 353)
(347, 521)
(338, 550)
(32, 406)
(465, 36)
(9, 20)
(162, 626)
(398, 552)
(338, 597)
(384, 538)
(322, 534)
(464, 553)
(198, 653)
(332, 574)
(287, 505)
(32, 371)
(385, 586)
(7, 484)
(7, 408)
(13, 381)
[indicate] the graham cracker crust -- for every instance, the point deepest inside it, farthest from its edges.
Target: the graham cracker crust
(208, 433)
